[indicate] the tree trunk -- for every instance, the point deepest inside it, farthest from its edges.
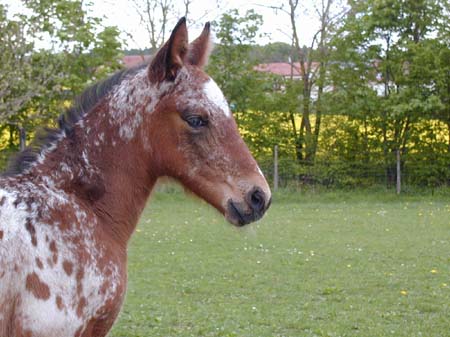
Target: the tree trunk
(317, 124)
(385, 146)
(315, 140)
(448, 129)
(22, 138)
(298, 145)
(11, 136)
(366, 141)
(325, 20)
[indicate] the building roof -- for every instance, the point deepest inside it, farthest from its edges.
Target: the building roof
(277, 68)
(283, 68)
(130, 61)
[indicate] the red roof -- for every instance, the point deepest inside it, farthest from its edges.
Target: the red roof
(134, 60)
(277, 68)
(283, 68)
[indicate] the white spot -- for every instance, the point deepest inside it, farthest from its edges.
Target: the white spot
(146, 142)
(65, 168)
(128, 99)
(215, 95)
(259, 171)
(12, 220)
(42, 316)
(86, 160)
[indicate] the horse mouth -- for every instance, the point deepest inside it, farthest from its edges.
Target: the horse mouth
(237, 215)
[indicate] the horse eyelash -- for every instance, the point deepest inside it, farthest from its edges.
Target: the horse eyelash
(193, 119)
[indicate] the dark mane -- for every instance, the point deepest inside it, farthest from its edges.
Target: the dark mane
(47, 136)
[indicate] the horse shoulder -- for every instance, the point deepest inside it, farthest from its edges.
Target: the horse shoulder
(55, 258)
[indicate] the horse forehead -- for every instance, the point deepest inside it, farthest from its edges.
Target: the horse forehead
(201, 91)
(214, 95)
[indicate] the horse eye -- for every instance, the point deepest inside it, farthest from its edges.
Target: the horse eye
(196, 121)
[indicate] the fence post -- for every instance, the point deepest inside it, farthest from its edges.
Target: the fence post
(399, 178)
(22, 138)
(275, 168)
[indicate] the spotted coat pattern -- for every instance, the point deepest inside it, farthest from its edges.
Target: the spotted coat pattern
(65, 221)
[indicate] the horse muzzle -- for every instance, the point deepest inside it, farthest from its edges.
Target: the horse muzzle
(251, 209)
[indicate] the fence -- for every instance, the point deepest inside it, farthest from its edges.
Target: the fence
(398, 173)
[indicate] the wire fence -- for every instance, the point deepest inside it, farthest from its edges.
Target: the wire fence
(397, 173)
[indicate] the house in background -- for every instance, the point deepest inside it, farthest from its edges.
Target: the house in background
(293, 71)
(285, 69)
(130, 61)
(288, 71)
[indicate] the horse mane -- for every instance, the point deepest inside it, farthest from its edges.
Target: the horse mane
(84, 103)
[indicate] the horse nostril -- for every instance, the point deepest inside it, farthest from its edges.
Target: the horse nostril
(257, 200)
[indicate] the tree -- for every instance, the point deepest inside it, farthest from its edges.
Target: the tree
(84, 50)
(154, 16)
(389, 48)
(230, 64)
(16, 85)
(250, 93)
(311, 65)
(36, 83)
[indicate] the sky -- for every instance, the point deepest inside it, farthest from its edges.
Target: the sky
(276, 27)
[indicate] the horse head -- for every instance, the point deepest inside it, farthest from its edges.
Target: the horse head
(194, 126)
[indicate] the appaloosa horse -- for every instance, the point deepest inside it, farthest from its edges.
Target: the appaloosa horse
(69, 206)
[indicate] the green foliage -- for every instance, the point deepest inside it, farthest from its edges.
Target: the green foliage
(249, 92)
(385, 81)
(16, 85)
(391, 79)
(383, 86)
(229, 64)
(89, 50)
(49, 57)
(272, 52)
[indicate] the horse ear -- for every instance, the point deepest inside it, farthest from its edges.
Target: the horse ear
(200, 49)
(169, 59)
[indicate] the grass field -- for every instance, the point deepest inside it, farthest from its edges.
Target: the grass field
(333, 264)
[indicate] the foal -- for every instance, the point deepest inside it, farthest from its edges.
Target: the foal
(69, 206)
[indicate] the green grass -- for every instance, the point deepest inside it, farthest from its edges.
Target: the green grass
(334, 264)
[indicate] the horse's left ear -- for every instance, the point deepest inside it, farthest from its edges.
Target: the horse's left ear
(170, 57)
(200, 49)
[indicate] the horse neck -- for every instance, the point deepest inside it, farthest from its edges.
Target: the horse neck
(107, 160)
